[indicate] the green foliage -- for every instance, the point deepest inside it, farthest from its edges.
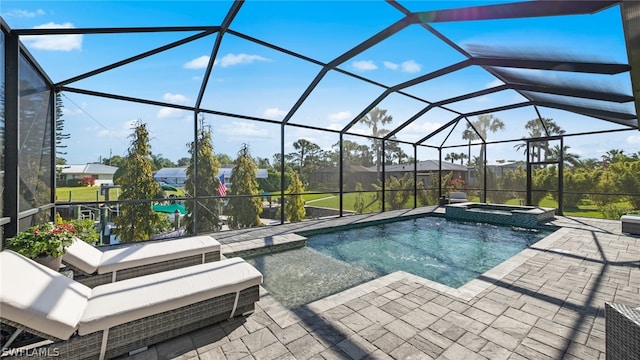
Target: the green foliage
(493, 182)
(398, 191)
(87, 230)
(543, 180)
(514, 179)
(606, 183)
(575, 183)
(137, 221)
(377, 116)
(426, 197)
(294, 207)
(163, 224)
(244, 210)
(60, 135)
(627, 175)
(613, 211)
(358, 204)
(43, 240)
(205, 214)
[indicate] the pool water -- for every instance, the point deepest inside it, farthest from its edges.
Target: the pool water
(449, 252)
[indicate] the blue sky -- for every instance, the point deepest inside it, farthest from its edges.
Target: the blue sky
(253, 80)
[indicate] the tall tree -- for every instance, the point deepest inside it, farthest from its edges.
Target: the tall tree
(452, 157)
(137, 221)
(373, 119)
(244, 208)
(159, 162)
(394, 153)
(613, 156)
(115, 160)
(306, 150)
(183, 162)
(205, 186)
(478, 130)
(569, 158)
(60, 135)
(461, 157)
(294, 207)
(537, 128)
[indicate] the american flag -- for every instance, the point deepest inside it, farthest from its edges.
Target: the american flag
(222, 189)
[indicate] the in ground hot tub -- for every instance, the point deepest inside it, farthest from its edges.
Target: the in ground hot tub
(522, 216)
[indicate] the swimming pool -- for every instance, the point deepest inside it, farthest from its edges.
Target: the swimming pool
(449, 252)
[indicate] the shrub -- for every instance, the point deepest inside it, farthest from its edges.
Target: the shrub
(87, 230)
(87, 181)
(43, 240)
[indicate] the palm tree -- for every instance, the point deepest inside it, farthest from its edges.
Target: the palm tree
(539, 128)
(569, 158)
(452, 157)
(375, 117)
(613, 155)
(482, 125)
(461, 157)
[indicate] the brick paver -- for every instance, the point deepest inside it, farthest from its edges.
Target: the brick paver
(549, 306)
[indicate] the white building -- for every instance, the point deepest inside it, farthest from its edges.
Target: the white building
(102, 174)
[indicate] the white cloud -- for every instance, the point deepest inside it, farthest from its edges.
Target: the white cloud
(633, 139)
(167, 112)
(197, 63)
(226, 61)
(68, 111)
(24, 13)
(340, 115)
(410, 66)
(416, 131)
(364, 65)
(274, 113)
(54, 42)
(123, 132)
(175, 98)
(238, 130)
(390, 65)
(233, 59)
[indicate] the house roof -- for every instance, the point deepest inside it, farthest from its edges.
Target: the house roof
(425, 165)
(95, 169)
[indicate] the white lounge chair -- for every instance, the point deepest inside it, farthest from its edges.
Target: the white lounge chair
(94, 267)
(116, 318)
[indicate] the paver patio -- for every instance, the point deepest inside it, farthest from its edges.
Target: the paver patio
(545, 303)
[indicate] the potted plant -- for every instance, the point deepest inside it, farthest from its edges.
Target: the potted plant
(44, 243)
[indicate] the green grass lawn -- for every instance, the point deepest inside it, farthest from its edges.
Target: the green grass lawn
(81, 193)
(329, 200)
(92, 193)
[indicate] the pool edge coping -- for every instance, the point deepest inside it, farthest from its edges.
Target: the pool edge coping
(284, 316)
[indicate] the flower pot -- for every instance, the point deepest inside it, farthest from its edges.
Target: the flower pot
(51, 262)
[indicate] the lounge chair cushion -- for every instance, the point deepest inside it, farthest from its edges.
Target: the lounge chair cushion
(123, 301)
(155, 252)
(91, 260)
(56, 314)
(83, 256)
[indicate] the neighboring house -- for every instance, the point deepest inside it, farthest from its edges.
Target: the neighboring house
(71, 174)
(178, 176)
(328, 178)
(501, 167)
(427, 171)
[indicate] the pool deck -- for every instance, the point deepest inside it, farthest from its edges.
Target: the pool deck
(547, 302)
